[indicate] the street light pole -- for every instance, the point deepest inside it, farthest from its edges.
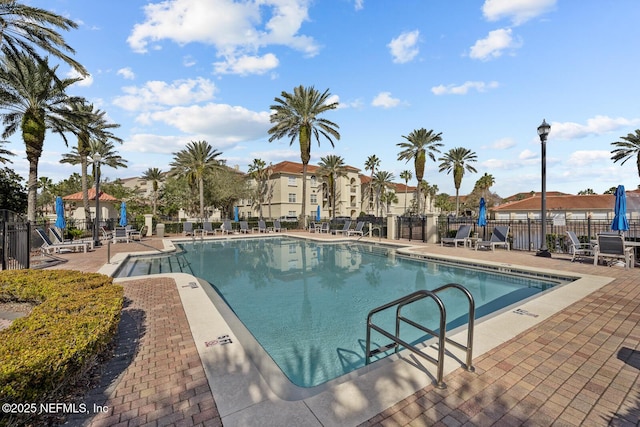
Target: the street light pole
(543, 132)
(96, 227)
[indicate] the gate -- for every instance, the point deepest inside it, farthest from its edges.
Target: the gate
(15, 246)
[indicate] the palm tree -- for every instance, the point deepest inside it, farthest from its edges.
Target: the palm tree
(106, 152)
(26, 28)
(46, 198)
(429, 191)
(156, 176)
(4, 152)
(372, 164)
(485, 182)
(627, 148)
(257, 171)
(381, 181)
(388, 198)
(457, 160)
(406, 175)
(90, 124)
(296, 115)
(33, 100)
(197, 160)
(420, 143)
(332, 167)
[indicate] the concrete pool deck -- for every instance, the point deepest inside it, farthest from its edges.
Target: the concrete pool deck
(576, 363)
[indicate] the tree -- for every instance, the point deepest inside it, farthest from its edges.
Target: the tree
(331, 168)
(429, 191)
(382, 180)
(586, 192)
(13, 194)
(4, 152)
(107, 157)
(420, 143)
(627, 148)
(46, 197)
(372, 164)
(33, 100)
(388, 198)
(297, 115)
(89, 125)
(156, 176)
(406, 175)
(257, 171)
(457, 161)
(26, 28)
(196, 161)
(484, 183)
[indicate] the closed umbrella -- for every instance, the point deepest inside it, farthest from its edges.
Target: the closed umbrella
(620, 222)
(123, 215)
(235, 214)
(60, 221)
(318, 213)
(482, 214)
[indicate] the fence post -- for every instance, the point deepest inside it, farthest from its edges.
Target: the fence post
(529, 233)
(424, 237)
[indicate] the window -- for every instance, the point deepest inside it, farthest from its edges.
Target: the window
(292, 181)
(292, 197)
(314, 199)
(314, 181)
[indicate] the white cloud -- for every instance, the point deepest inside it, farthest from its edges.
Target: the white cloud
(503, 144)
(584, 157)
(155, 94)
(150, 143)
(85, 82)
(189, 61)
(403, 48)
(236, 29)
(496, 42)
(464, 88)
(359, 4)
(126, 73)
(245, 65)
(594, 126)
(519, 11)
(527, 155)
(385, 100)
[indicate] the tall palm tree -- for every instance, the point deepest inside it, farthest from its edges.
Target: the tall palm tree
(24, 28)
(90, 124)
(627, 148)
(372, 164)
(420, 144)
(297, 115)
(457, 160)
(332, 167)
(485, 182)
(197, 160)
(45, 185)
(406, 175)
(4, 152)
(33, 100)
(387, 198)
(257, 171)
(382, 180)
(104, 149)
(156, 176)
(429, 191)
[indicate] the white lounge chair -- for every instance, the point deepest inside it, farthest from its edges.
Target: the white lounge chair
(276, 226)
(59, 240)
(577, 248)
(498, 238)
(325, 228)
(611, 247)
(345, 228)
(262, 227)
(187, 229)
(244, 227)
(138, 234)
(49, 247)
(120, 234)
(357, 230)
(206, 229)
(462, 236)
(225, 227)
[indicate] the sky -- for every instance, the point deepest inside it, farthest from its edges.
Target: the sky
(483, 73)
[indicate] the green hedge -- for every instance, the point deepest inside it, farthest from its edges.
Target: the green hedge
(76, 316)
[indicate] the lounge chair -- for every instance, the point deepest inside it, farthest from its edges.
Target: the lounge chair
(498, 238)
(357, 230)
(138, 234)
(187, 228)
(462, 236)
(262, 227)
(577, 248)
(120, 234)
(610, 247)
(325, 228)
(313, 227)
(276, 226)
(244, 227)
(106, 234)
(49, 247)
(206, 229)
(343, 231)
(225, 227)
(59, 240)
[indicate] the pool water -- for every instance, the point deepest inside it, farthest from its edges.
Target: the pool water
(306, 302)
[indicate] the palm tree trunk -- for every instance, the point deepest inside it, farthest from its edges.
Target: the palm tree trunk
(32, 194)
(201, 189)
(85, 186)
(303, 216)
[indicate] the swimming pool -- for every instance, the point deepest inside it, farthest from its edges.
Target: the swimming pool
(306, 302)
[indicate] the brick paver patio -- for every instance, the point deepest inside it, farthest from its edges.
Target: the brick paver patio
(580, 367)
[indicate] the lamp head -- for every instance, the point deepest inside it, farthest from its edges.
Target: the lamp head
(543, 130)
(96, 158)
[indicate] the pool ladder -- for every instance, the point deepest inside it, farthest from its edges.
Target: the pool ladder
(397, 341)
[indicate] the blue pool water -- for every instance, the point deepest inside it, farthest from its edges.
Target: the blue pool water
(306, 302)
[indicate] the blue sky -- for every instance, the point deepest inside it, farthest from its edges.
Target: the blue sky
(484, 73)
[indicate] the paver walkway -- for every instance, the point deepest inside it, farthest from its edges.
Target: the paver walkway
(580, 367)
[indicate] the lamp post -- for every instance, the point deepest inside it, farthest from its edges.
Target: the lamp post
(96, 227)
(543, 132)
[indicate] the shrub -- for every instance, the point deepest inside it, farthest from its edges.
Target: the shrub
(76, 317)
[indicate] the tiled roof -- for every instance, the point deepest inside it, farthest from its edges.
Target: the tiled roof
(565, 202)
(294, 167)
(104, 197)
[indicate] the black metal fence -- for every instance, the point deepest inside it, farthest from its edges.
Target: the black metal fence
(16, 245)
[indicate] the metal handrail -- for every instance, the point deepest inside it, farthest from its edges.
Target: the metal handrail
(441, 335)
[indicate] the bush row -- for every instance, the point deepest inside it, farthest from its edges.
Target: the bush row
(76, 317)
